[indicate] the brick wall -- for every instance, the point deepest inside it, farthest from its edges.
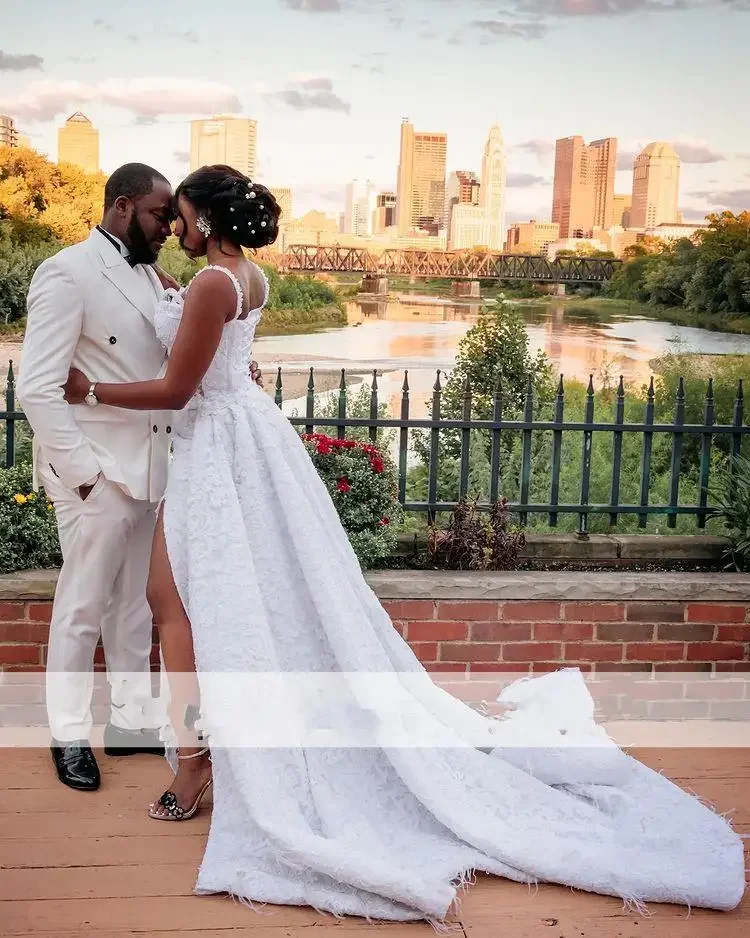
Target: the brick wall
(472, 637)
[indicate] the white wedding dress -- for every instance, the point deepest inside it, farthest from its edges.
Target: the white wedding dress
(271, 586)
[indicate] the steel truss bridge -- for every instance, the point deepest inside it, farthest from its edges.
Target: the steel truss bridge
(452, 265)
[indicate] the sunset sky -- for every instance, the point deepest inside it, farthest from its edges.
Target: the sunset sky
(330, 80)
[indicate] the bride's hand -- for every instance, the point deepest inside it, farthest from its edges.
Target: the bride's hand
(165, 279)
(76, 387)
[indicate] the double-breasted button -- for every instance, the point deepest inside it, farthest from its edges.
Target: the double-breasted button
(169, 429)
(113, 340)
(156, 429)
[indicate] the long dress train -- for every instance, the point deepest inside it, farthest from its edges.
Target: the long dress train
(271, 586)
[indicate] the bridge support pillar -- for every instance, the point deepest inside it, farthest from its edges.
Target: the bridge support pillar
(466, 288)
(374, 284)
(559, 289)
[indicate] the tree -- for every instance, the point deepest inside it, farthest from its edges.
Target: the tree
(23, 247)
(63, 199)
(721, 280)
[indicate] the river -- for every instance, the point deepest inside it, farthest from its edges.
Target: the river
(422, 334)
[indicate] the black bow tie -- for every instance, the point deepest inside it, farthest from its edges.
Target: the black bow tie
(129, 259)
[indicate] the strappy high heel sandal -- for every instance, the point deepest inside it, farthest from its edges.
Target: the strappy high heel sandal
(169, 800)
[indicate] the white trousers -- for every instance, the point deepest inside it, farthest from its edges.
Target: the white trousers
(106, 548)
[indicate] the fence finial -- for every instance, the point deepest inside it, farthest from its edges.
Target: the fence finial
(405, 385)
(621, 387)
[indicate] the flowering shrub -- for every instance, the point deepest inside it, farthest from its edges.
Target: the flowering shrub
(28, 531)
(362, 483)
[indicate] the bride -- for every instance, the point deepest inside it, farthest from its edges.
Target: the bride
(252, 575)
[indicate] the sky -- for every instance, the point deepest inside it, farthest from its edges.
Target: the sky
(330, 80)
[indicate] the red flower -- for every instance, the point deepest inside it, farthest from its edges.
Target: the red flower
(343, 486)
(377, 464)
(349, 444)
(324, 448)
(384, 521)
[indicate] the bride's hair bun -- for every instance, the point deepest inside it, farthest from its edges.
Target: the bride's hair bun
(239, 210)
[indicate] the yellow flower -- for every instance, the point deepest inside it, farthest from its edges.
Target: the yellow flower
(30, 497)
(50, 506)
(20, 499)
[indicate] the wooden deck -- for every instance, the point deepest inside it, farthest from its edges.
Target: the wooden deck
(74, 864)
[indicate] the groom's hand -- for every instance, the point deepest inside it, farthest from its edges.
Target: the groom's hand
(256, 374)
(167, 281)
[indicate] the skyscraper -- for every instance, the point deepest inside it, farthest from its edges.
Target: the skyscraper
(421, 179)
(492, 191)
(283, 195)
(622, 206)
(232, 141)
(359, 214)
(8, 132)
(656, 186)
(584, 187)
(78, 143)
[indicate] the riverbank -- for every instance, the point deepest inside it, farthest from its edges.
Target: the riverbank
(602, 306)
(300, 321)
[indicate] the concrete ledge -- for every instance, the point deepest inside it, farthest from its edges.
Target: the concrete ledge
(34, 585)
(614, 549)
(560, 586)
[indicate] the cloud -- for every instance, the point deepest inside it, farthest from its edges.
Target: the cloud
(625, 158)
(19, 63)
(182, 157)
(492, 30)
(736, 200)
(313, 93)
(315, 6)
(143, 97)
(106, 25)
(82, 59)
(524, 180)
(601, 8)
(541, 149)
(697, 153)
(143, 121)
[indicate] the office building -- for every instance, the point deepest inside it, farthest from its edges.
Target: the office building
(421, 180)
(78, 143)
(492, 191)
(462, 188)
(531, 237)
(584, 185)
(359, 214)
(621, 210)
(232, 141)
(467, 227)
(8, 131)
(385, 212)
(656, 187)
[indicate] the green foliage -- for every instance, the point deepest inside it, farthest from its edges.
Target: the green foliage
(733, 497)
(362, 483)
(290, 291)
(710, 277)
(496, 348)
(22, 248)
(28, 531)
(176, 262)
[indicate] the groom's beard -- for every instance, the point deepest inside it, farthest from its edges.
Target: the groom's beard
(141, 251)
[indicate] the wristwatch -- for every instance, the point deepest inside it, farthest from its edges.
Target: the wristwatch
(91, 399)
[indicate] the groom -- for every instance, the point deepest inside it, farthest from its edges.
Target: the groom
(92, 306)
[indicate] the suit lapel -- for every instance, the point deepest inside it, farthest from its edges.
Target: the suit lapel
(135, 289)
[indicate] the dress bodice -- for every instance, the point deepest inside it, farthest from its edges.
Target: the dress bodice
(229, 369)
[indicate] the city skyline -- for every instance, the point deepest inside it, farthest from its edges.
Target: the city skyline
(328, 88)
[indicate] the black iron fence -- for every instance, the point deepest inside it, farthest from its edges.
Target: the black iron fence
(516, 487)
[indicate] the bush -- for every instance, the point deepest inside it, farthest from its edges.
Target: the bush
(475, 541)
(28, 531)
(362, 483)
(733, 497)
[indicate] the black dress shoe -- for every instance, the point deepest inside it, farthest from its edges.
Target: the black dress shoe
(118, 742)
(76, 765)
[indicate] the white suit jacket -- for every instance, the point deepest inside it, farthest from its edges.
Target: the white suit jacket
(87, 308)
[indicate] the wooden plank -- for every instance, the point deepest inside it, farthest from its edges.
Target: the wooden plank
(697, 763)
(154, 915)
(49, 826)
(100, 882)
(335, 930)
(565, 925)
(102, 851)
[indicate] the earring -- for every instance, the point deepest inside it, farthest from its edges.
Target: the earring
(203, 225)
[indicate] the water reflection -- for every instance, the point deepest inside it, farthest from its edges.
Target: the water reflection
(422, 334)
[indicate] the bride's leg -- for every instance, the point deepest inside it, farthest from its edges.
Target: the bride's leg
(176, 641)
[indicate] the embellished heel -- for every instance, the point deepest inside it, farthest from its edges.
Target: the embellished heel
(168, 801)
